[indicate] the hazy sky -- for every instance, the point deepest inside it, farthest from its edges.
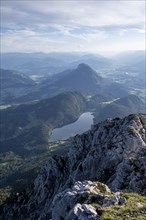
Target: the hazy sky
(94, 26)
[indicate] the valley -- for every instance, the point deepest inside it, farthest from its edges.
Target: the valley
(34, 109)
(73, 110)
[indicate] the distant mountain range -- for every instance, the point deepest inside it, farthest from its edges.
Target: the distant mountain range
(14, 84)
(40, 92)
(14, 79)
(132, 62)
(97, 62)
(130, 58)
(50, 63)
(83, 79)
(120, 75)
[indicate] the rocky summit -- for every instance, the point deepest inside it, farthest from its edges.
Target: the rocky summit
(103, 176)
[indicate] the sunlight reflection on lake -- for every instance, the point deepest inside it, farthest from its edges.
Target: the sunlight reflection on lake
(83, 124)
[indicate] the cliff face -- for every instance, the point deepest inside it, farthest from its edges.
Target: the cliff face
(112, 152)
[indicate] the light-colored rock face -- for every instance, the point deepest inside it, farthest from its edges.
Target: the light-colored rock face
(81, 201)
(68, 203)
(115, 155)
(82, 212)
(113, 152)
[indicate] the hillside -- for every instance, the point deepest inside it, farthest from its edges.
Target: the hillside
(121, 107)
(43, 66)
(25, 138)
(83, 79)
(12, 79)
(14, 84)
(24, 125)
(30, 124)
(71, 187)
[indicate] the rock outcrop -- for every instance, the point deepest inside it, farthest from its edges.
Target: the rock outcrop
(113, 152)
(83, 200)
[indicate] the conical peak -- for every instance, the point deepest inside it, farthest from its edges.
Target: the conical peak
(83, 66)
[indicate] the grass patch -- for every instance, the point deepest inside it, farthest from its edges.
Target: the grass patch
(134, 209)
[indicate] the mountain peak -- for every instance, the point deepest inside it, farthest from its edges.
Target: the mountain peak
(84, 66)
(83, 79)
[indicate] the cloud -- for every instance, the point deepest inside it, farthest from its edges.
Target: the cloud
(73, 13)
(68, 23)
(28, 41)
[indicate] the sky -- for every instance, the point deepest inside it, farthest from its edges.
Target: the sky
(69, 25)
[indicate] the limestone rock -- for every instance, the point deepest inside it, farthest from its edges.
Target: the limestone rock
(113, 152)
(82, 212)
(78, 202)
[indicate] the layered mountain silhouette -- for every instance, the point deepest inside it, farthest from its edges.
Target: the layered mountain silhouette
(121, 107)
(14, 84)
(13, 79)
(50, 63)
(95, 61)
(131, 58)
(132, 62)
(83, 79)
(102, 166)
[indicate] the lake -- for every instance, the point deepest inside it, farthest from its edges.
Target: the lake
(83, 124)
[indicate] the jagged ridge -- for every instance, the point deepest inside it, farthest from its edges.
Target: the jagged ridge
(112, 152)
